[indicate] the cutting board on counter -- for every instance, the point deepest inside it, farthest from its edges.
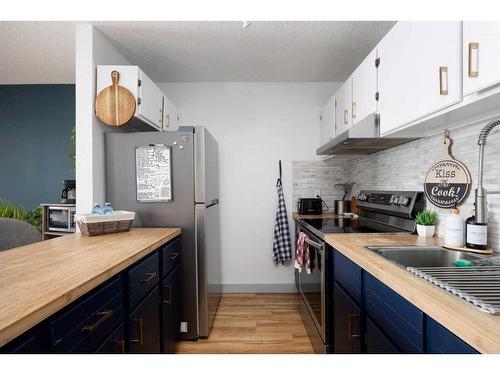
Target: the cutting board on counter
(115, 105)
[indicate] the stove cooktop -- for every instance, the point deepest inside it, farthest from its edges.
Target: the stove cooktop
(338, 225)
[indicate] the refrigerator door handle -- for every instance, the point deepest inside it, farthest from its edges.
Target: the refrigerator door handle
(213, 203)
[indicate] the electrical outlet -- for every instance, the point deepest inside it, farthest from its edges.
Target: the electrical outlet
(184, 326)
(317, 192)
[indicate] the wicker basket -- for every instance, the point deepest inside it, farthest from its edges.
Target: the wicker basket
(95, 225)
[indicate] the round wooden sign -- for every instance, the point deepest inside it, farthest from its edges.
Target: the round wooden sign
(448, 182)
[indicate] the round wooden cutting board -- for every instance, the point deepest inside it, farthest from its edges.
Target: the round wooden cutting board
(115, 105)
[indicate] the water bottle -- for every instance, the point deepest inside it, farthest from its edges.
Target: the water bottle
(107, 208)
(97, 209)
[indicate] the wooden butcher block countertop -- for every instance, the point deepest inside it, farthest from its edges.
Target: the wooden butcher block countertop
(480, 330)
(38, 280)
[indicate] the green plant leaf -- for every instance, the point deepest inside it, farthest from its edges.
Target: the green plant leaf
(426, 217)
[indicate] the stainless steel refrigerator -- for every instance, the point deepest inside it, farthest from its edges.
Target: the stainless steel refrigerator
(192, 205)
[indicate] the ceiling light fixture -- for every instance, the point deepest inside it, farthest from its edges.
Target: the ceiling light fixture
(245, 24)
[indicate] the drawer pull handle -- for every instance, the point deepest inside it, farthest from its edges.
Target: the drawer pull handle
(473, 60)
(443, 80)
(141, 338)
(169, 300)
(172, 256)
(148, 277)
(351, 318)
(104, 315)
(121, 345)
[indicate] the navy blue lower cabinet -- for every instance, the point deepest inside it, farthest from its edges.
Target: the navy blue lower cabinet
(347, 325)
(170, 314)
(34, 341)
(349, 275)
(439, 340)
(400, 320)
(144, 325)
(82, 326)
(377, 342)
(114, 344)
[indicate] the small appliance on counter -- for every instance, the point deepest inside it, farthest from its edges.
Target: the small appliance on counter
(310, 206)
(68, 194)
(57, 219)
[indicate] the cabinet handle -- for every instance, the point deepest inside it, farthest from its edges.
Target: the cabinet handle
(121, 345)
(104, 315)
(351, 317)
(353, 110)
(346, 114)
(443, 80)
(169, 300)
(167, 118)
(141, 338)
(173, 256)
(148, 277)
(473, 59)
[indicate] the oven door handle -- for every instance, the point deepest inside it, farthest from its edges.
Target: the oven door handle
(317, 245)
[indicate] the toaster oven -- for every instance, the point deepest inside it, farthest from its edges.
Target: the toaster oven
(61, 219)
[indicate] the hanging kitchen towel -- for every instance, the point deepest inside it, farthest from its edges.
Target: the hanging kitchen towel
(282, 246)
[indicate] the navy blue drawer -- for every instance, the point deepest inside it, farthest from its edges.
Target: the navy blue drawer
(349, 275)
(142, 279)
(83, 326)
(402, 322)
(114, 344)
(170, 256)
(34, 341)
(438, 339)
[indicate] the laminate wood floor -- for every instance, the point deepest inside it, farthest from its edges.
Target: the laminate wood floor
(254, 323)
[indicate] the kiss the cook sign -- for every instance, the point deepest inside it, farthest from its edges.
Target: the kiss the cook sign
(448, 182)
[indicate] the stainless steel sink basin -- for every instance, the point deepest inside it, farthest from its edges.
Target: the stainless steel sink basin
(422, 256)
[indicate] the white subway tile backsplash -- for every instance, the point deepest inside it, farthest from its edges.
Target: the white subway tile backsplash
(404, 168)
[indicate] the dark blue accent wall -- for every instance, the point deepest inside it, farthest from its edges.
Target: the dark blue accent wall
(35, 130)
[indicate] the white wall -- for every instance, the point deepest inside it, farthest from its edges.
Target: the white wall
(91, 49)
(255, 125)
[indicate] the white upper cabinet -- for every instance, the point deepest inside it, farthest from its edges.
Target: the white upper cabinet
(327, 124)
(364, 89)
(150, 108)
(152, 112)
(419, 72)
(481, 55)
(343, 114)
(170, 115)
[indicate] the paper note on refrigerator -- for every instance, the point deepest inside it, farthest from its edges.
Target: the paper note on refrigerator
(153, 173)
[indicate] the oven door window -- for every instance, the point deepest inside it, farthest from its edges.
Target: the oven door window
(311, 286)
(59, 219)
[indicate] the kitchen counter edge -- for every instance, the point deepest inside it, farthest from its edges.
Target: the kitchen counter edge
(131, 247)
(479, 329)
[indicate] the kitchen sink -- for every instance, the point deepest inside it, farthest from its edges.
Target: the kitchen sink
(422, 256)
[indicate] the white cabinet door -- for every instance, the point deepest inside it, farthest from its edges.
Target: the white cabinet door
(327, 124)
(150, 108)
(170, 115)
(419, 72)
(481, 55)
(343, 114)
(364, 88)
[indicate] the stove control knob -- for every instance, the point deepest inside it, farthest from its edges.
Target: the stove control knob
(406, 201)
(394, 199)
(362, 197)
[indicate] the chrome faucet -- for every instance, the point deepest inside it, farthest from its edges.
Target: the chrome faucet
(481, 193)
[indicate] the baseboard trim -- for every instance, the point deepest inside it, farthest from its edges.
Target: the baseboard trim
(259, 288)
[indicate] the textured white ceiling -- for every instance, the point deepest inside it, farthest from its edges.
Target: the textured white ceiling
(37, 52)
(43, 52)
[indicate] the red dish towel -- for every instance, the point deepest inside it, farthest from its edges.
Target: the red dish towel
(302, 255)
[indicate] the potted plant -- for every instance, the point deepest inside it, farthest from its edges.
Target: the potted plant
(426, 223)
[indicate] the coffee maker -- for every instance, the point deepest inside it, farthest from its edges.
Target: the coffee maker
(68, 194)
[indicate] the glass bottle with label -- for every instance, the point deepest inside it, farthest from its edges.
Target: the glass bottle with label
(476, 233)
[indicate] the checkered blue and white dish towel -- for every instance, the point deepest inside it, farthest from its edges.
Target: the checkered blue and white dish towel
(282, 245)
